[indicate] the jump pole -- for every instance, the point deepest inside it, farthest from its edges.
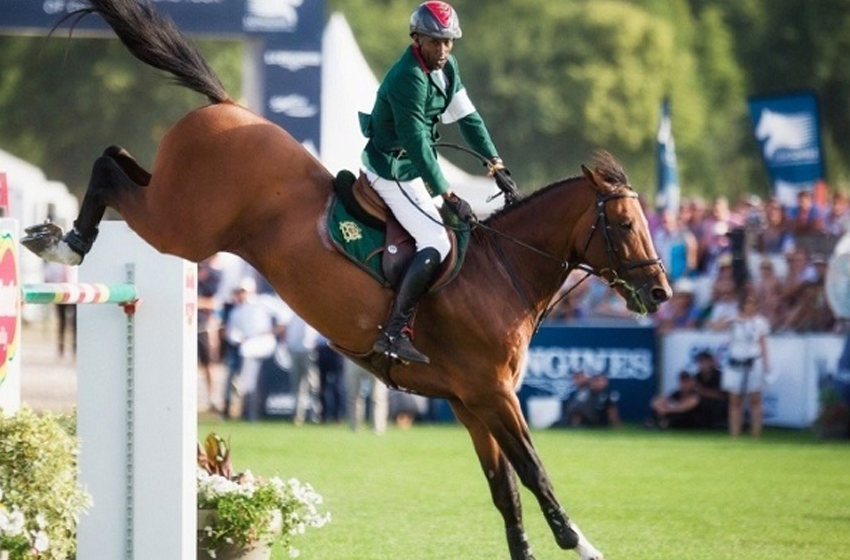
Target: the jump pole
(136, 391)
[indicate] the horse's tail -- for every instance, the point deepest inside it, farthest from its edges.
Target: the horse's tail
(155, 40)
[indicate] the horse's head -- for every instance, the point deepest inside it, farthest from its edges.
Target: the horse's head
(619, 247)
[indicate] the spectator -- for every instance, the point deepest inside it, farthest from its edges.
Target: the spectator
(775, 237)
(694, 219)
(713, 408)
(806, 218)
(795, 277)
(679, 409)
(331, 383)
(810, 311)
(360, 385)
(681, 311)
(592, 403)
(676, 246)
(252, 329)
(301, 339)
(724, 292)
(718, 224)
(837, 218)
(405, 407)
(66, 314)
(748, 364)
(208, 326)
(767, 288)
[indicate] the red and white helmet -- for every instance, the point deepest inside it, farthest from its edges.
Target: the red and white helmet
(435, 19)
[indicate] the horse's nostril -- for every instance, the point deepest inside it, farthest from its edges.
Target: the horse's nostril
(660, 295)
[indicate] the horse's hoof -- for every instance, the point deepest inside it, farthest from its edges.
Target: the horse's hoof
(518, 544)
(47, 241)
(562, 529)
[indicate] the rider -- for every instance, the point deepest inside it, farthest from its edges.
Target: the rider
(400, 160)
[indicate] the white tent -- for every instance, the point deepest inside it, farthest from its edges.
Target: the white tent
(349, 86)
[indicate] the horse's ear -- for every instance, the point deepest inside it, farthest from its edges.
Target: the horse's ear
(595, 179)
(591, 176)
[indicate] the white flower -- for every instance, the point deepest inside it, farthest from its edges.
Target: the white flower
(41, 542)
(12, 523)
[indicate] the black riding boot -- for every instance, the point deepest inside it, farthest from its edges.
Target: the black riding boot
(395, 340)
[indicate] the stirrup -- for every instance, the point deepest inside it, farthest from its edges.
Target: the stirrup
(399, 348)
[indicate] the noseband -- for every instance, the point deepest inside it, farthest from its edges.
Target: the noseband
(618, 267)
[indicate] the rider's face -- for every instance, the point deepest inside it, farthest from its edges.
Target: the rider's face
(435, 52)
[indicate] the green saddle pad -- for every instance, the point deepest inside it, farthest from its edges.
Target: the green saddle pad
(361, 243)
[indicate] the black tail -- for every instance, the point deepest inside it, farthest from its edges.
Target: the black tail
(155, 40)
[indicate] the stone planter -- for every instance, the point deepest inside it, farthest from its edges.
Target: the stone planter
(259, 552)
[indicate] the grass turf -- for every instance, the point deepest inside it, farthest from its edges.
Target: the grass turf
(420, 494)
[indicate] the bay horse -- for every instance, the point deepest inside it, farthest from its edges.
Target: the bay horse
(226, 179)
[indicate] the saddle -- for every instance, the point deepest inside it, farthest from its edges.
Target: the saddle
(364, 229)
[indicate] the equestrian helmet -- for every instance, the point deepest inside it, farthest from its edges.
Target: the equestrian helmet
(435, 19)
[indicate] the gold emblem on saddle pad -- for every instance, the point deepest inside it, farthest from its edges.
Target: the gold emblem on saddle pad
(350, 231)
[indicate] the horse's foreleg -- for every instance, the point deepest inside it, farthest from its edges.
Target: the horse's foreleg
(500, 477)
(503, 417)
(113, 171)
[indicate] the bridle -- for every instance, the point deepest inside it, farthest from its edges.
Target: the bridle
(622, 268)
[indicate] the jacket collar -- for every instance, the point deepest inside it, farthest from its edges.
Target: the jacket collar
(440, 84)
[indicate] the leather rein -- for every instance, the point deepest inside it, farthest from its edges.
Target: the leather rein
(614, 274)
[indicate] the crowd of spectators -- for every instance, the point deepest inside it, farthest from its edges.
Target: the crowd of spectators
(715, 251)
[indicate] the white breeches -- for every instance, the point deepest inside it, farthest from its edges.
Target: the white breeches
(415, 210)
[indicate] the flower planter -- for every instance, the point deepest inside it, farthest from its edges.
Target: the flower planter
(259, 552)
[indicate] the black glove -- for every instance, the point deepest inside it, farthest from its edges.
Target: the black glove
(504, 180)
(461, 208)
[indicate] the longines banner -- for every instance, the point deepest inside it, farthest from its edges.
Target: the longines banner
(625, 355)
(290, 31)
(788, 130)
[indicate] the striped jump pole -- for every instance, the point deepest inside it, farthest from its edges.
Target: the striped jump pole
(73, 294)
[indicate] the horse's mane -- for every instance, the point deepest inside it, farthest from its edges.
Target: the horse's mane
(605, 164)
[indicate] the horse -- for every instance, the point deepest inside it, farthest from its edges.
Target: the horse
(226, 179)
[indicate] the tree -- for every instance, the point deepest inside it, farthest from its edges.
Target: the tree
(62, 102)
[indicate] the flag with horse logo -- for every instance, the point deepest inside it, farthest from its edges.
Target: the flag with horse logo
(788, 130)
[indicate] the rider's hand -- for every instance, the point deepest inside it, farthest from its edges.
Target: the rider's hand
(460, 207)
(504, 181)
(495, 164)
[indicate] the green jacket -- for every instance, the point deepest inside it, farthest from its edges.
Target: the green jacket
(402, 128)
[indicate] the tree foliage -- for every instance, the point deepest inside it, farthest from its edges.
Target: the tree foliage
(62, 102)
(554, 79)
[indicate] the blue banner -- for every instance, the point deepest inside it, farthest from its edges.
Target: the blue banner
(788, 130)
(210, 16)
(625, 355)
(668, 195)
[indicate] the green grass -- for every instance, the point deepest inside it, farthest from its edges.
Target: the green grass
(420, 495)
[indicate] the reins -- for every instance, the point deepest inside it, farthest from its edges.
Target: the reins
(615, 274)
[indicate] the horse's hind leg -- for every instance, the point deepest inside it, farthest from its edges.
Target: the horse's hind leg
(500, 477)
(113, 172)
